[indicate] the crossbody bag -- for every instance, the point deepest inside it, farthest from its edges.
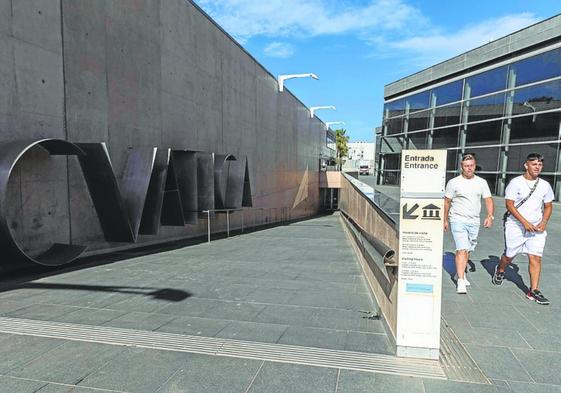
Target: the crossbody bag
(507, 213)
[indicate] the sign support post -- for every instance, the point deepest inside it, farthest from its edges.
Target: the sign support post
(423, 178)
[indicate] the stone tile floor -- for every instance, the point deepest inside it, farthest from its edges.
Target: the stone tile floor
(296, 284)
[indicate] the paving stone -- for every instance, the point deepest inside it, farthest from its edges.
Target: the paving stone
(140, 321)
(498, 362)
(314, 337)
(292, 378)
(15, 385)
(18, 350)
(212, 374)
(252, 331)
(364, 382)
(542, 366)
(442, 386)
(524, 387)
(194, 326)
(365, 342)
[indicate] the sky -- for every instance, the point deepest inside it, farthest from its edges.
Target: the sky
(358, 46)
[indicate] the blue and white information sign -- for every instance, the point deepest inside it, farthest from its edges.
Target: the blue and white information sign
(423, 178)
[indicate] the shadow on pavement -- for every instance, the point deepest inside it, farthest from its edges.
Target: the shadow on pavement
(172, 295)
(511, 273)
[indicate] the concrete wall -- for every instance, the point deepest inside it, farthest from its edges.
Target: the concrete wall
(141, 73)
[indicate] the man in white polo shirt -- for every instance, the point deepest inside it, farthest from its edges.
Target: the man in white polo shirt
(462, 207)
(528, 201)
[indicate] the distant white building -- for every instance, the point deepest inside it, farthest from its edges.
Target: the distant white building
(361, 151)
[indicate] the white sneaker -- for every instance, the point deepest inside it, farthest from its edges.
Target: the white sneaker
(461, 286)
(465, 279)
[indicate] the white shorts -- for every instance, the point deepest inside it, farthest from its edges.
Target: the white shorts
(520, 241)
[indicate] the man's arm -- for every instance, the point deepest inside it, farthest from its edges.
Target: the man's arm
(547, 210)
(516, 214)
(488, 222)
(447, 202)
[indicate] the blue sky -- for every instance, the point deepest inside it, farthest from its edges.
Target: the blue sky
(358, 46)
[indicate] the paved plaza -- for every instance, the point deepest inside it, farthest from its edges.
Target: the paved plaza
(296, 287)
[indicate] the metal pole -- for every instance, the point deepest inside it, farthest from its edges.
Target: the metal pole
(228, 223)
(208, 219)
(242, 220)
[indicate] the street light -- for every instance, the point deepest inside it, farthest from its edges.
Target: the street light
(533, 108)
(282, 78)
(330, 123)
(315, 108)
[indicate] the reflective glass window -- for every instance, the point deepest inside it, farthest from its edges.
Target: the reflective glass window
(543, 66)
(452, 160)
(395, 108)
(392, 144)
(394, 126)
(517, 155)
(447, 115)
(417, 140)
(450, 92)
(419, 101)
(450, 176)
(487, 133)
(418, 121)
(487, 158)
(537, 98)
(485, 108)
(445, 137)
(532, 128)
(391, 178)
(487, 82)
(392, 161)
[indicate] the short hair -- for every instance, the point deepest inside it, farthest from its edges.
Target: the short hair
(534, 156)
(468, 156)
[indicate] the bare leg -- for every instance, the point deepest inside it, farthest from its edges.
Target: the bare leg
(534, 268)
(461, 262)
(505, 261)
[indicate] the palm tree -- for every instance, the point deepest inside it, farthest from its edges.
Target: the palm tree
(341, 141)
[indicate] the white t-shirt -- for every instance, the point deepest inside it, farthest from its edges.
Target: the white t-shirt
(532, 209)
(466, 197)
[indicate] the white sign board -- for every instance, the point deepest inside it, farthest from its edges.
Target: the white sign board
(423, 178)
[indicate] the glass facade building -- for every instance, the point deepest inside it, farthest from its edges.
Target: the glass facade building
(501, 112)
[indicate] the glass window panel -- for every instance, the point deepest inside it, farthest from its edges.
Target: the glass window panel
(537, 98)
(544, 127)
(392, 144)
(447, 115)
(419, 101)
(450, 176)
(487, 133)
(392, 161)
(390, 178)
(418, 140)
(450, 92)
(485, 108)
(517, 155)
(543, 66)
(418, 121)
(445, 137)
(487, 158)
(491, 180)
(487, 82)
(452, 160)
(395, 108)
(394, 126)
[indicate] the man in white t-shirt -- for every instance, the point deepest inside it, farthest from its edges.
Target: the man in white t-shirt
(462, 207)
(529, 205)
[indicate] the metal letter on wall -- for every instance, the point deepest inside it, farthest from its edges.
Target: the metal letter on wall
(119, 208)
(10, 154)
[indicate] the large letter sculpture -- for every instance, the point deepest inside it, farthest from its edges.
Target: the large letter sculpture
(158, 186)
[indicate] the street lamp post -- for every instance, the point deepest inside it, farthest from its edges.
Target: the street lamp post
(313, 109)
(330, 123)
(282, 78)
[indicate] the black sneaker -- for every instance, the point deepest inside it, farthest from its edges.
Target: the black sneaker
(498, 276)
(538, 297)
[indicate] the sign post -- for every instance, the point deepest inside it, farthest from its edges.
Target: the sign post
(423, 178)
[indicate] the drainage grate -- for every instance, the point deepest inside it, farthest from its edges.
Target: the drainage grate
(455, 360)
(224, 347)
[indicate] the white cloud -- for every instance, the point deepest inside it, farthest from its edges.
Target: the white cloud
(439, 45)
(295, 18)
(279, 49)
